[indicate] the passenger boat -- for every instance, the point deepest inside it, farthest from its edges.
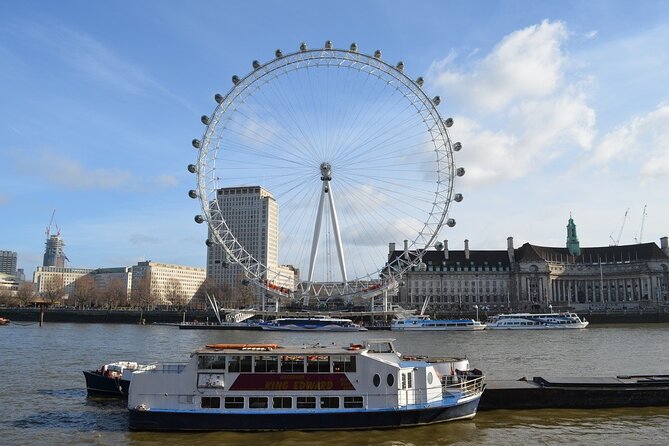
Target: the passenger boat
(311, 323)
(424, 323)
(264, 387)
(531, 321)
(111, 380)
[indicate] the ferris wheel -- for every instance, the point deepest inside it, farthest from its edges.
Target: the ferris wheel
(349, 155)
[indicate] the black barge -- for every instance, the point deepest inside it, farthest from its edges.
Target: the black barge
(577, 393)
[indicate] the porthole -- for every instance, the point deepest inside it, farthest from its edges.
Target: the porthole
(430, 378)
(377, 380)
(390, 379)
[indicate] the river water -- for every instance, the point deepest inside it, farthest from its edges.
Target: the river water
(43, 397)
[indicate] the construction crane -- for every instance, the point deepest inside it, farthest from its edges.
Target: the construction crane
(52, 222)
(643, 220)
(616, 241)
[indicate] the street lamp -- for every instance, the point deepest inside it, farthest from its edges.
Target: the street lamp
(477, 312)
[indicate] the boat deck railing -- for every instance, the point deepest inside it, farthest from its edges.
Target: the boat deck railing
(176, 367)
(463, 388)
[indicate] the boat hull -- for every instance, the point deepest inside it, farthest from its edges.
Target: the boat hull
(155, 420)
(310, 328)
(98, 385)
(539, 327)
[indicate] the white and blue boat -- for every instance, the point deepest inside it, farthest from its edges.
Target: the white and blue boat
(424, 323)
(535, 321)
(266, 387)
(311, 323)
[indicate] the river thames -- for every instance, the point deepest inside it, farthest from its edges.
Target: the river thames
(44, 398)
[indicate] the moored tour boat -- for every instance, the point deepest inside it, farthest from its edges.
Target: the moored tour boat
(424, 323)
(112, 380)
(258, 387)
(531, 321)
(311, 323)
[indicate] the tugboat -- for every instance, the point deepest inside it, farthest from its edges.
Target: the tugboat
(267, 387)
(112, 380)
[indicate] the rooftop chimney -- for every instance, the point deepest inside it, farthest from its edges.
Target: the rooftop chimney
(466, 249)
(391, 247)
(664, 244)
(445, 249)
(406, 249)
(509, 249)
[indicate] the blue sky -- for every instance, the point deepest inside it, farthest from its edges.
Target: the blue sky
(561, 107)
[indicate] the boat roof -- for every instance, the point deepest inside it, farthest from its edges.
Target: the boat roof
(314, 349)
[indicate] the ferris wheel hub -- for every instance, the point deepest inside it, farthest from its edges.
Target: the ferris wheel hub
(326, 171)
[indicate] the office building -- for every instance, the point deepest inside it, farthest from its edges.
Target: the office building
(164, 284)
(8, 262)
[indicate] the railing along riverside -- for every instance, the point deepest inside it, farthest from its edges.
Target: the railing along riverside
(465, 388)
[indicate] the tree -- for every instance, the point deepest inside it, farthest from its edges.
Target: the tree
(52, 288)
(175, 293)
(83, 291)
(114, 294)
(143, 295)
(7, 297)
(25, 293)
(243, 294)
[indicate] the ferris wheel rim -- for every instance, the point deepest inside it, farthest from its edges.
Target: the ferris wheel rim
(208, 182)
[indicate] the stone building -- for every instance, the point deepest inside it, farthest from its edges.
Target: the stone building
(538, 278)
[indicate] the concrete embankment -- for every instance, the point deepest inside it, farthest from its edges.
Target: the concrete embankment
(104, 315)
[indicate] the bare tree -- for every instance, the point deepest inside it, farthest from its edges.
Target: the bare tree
(7, 297)
(83, 291)
(141, 294)
(115, 294)
(53, 288)
(175, 293)
(25, 293)
(243, 294)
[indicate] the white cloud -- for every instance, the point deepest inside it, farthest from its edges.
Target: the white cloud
(527, 63)
(642, 141)
(525, 108)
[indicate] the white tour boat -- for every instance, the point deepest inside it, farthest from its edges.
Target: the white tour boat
(531, 321)
(311, 323)
(424, 323)
(259, 387)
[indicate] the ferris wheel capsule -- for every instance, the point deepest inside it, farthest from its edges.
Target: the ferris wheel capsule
(377, 54)
(460, 171)
(328, 44)
(457, 146)
(449, 122)
(303, 46)
(419, 81)
(196, 143)
(192, 168)
(354, 47)
(199, 219)
(235, 79)
(218, 98)
(400, 66)
(458, 197)
(436, 100)
(255, 64)
(278, 54)
(205, 119)
(192, 193)
(450, 222)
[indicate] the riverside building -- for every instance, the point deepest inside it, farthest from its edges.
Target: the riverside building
(252, 215)
(538, 278)
(8, 262)
(167, 284)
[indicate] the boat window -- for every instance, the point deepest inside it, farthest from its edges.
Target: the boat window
(390, 379)
(211, 402)
(318, 364)
(430, 378)
(210, 380)
(404, 381)
(282, 402)
(234, 402)
(351, 402)
(343, 363)
(211, 362)
(380, 347)
(409, 380)
(258, 402)
(329, 402)
(265, 364)
(293, 364)
(376, 380)
(239, 363)
(306, 402)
